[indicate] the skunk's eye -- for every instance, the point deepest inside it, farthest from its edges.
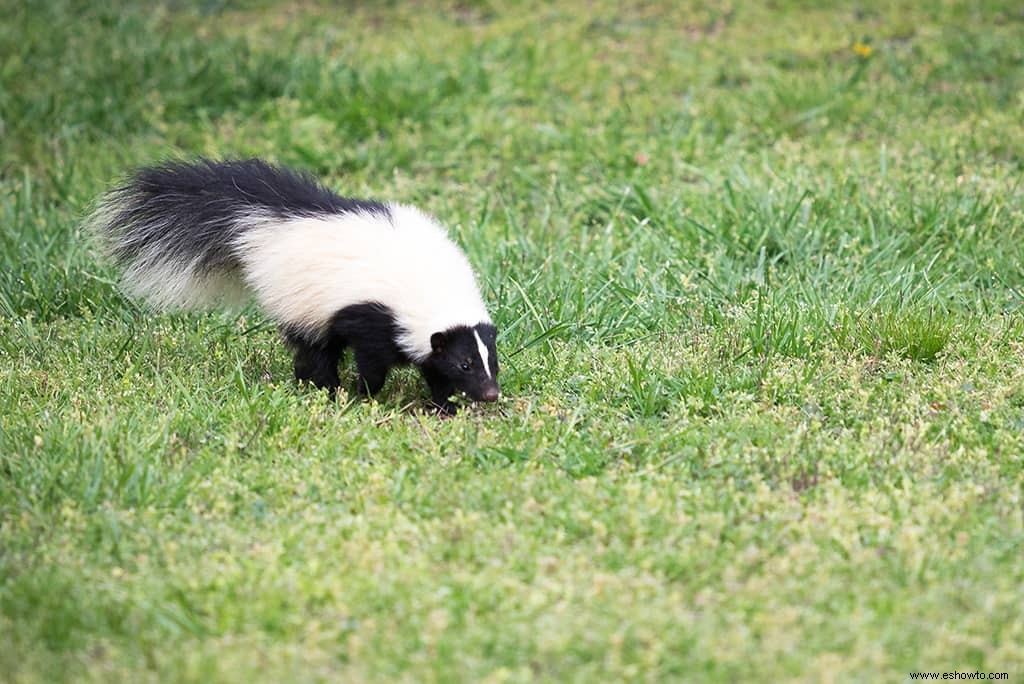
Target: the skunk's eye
(465, 366)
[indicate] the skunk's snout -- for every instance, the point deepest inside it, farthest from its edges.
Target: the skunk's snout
(490, 394)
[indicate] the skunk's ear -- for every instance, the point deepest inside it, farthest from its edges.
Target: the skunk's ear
(437, 342)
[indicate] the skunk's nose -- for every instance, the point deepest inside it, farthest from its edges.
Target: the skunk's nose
(491, 393)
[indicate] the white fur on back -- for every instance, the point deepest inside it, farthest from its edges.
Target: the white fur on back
(303, 270)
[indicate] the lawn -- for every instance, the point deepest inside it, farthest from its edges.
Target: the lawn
(758, 270)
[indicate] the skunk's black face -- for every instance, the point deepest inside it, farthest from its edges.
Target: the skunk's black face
(467, 357)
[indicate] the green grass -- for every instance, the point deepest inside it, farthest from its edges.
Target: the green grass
(761, 302)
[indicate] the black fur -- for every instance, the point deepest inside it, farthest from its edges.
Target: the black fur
(192, 208)
(370, 331)
(456, 358)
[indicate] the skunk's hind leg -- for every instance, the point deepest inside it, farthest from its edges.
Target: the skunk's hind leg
(316, 362)
(318, 367)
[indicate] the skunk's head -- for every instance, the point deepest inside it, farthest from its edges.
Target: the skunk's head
(468, 358)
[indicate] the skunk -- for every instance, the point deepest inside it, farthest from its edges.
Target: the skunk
(333, 272)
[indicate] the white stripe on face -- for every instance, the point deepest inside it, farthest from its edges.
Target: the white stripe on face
(483, 353)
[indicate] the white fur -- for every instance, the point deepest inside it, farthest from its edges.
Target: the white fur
(484, 354)
(171, 284)
(164, 283)
(303, 270)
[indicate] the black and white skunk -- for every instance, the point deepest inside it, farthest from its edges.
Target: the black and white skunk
(382, 279)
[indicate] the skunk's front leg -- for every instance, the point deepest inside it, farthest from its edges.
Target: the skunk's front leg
(440, 389)
(373, 372)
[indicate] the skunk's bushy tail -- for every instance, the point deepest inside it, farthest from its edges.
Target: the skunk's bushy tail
(174, 228)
